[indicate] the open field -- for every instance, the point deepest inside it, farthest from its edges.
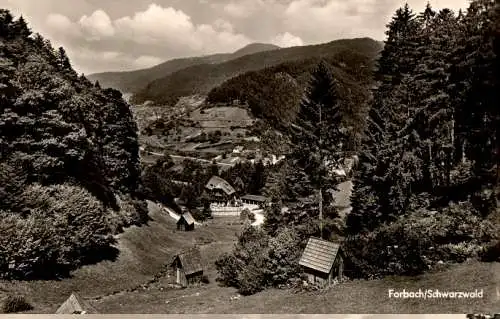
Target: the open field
(125, 286)
(352, 297)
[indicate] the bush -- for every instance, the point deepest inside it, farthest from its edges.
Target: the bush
(228, 267)
(414, 243)
(66, 228)
(198, 215)
(244, 214)
(205, 280)
(13, 304)
(259, 261)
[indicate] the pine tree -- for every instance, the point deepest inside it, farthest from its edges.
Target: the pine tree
(20, 27)
(384, 148)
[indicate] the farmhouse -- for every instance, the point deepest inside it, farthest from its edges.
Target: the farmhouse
(219, 190)
(185, 222)
(254, 199)
(188, 267)
(76, 305)
(322, 261)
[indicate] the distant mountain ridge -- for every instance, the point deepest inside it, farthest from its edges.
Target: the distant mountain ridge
(132, 81)
(201, 78)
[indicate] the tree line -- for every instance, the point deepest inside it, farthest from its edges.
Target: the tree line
(69, 162)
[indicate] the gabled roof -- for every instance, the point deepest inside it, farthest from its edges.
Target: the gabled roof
(76, 305)
(191, 261)
(319, 255)
(218, 183)
(257, 198)
(187, 217)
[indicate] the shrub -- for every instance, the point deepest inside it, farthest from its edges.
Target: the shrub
(244, 214)
(228, 267)
(259, 261)
(198, 215)
(13, 304)
(66, 227)
(251, 217)
(413, 243)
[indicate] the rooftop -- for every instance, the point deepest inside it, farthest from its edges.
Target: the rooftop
(218, 183)
(187, 217)
(319, 255)
(191, 261)
(257, 198)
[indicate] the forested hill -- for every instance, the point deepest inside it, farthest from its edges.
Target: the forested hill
(133, 81)
(200, 79)
(274, 93)
(69, 166)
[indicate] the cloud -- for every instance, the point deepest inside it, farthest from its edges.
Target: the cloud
(287, 39)
(97, 61)
(236, 10)
(148, 37)
(61, 26)
(97, 26)
(145, 32)
(146, 61)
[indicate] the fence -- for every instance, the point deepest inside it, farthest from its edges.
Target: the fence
(226, 211)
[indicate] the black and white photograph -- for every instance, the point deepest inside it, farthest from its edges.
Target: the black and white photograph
(250, 157)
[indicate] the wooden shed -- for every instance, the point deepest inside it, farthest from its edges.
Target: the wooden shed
(76, 305)
(188, 267)
(322, 261)
(186, 222)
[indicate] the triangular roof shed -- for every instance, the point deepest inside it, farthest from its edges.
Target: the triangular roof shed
(190, 261)
(319, 255)
(76, 305)
(187, 217)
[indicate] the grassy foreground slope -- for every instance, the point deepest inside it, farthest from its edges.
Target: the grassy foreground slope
(146, 250)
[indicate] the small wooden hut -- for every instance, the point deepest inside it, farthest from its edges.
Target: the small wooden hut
(76, 305)
(186, 222)
(322, 261)
(188, 267)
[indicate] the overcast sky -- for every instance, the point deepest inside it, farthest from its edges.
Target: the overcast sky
(110, 35)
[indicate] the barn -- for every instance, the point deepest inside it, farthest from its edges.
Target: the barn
(322, 261)
(188, 267)
(186, 222)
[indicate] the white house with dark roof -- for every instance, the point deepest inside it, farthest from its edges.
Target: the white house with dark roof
(322, 261)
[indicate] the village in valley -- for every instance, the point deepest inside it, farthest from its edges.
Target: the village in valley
(241, 176)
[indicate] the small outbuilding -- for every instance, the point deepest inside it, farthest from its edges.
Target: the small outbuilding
(322, 261)
(186, 222)
(188, 267)
(76, 305)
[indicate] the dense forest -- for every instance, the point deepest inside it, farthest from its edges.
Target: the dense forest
(427, 188)
(200, 79)
(69, 161)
